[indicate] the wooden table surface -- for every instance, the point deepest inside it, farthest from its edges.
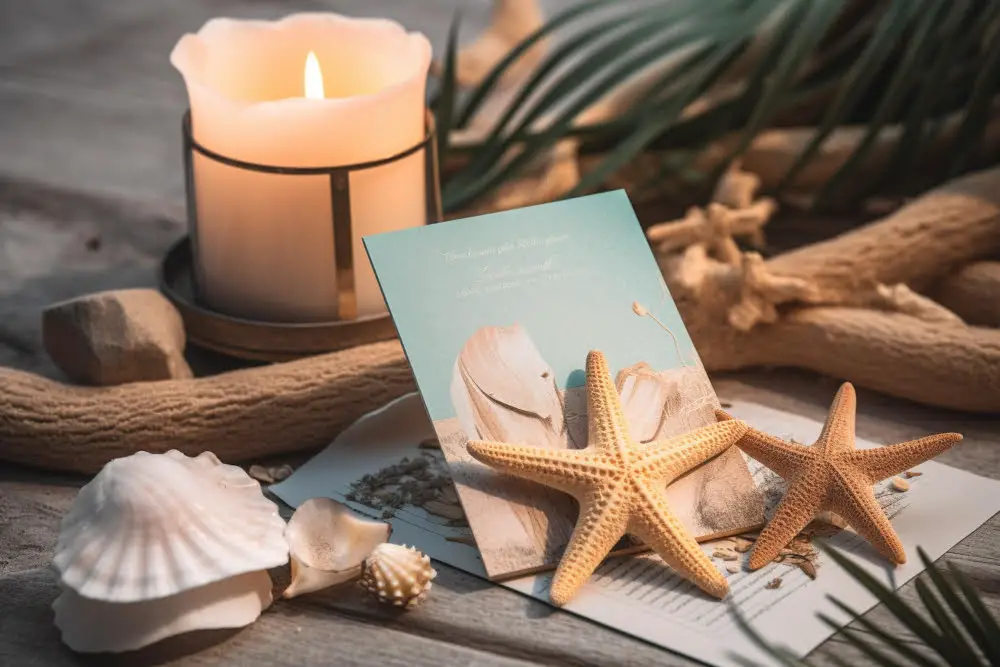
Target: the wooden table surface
(90, 197)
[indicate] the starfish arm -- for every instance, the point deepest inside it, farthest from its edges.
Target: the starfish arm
(784, 458)
(880, 463)
(568, 470)
(855, 501)
(801, 503)
(606, 423)
(655, 524)
(670, 458)
(838, 431)
(601, 524)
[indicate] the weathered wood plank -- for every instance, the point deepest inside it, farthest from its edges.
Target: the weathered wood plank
(462, 610)
(29, 522)
(469, 612)
(294, 635)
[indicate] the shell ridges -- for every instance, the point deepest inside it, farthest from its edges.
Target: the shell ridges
(398, 575)
(150, 526)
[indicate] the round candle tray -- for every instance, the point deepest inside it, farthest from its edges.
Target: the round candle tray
(256, 340)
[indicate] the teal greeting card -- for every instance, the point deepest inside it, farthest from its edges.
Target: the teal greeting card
(497, 313)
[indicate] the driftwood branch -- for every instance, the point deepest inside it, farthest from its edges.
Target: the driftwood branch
(848, 307)
(240, 415)
(949, 366)
(972, 293)
(920, 243)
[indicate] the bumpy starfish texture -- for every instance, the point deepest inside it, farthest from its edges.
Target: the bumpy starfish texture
(620, 485)
(833, 475)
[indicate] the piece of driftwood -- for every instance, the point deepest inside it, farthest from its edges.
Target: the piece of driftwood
(239, 415)
(847, 307)
(843, 307)
(972, 293)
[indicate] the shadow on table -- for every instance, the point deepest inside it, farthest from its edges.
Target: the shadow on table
(162, 652)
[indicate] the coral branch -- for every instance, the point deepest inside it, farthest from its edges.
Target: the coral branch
(714, 226)
(847, 307)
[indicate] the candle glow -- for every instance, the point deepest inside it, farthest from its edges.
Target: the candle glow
(313, 78)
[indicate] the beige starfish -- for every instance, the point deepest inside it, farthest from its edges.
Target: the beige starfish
(833, 475)
(620, 485)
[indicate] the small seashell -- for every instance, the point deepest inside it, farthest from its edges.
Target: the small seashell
(899, 484)
(732, 568)
(398, 575)
(328, 543)
(90, 626)
(150, 526)
(909, 474)
(774, 583)
(808, 568)
(271, 474)
(724, 554)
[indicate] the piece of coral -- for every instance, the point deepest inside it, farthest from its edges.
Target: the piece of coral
(856, 306)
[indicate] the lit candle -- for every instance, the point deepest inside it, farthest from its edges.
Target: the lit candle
(310, 90)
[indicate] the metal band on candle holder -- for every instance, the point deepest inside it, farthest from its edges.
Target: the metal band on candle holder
(340, 202)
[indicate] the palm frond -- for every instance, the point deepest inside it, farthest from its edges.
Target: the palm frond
(444, 105)
(897, 91)
(962, 631)
(909, 64)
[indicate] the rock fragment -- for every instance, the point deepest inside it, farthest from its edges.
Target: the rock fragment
(116, 337)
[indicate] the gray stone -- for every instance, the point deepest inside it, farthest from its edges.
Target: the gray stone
(115, 337)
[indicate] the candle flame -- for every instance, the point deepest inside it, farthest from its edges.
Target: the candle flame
(314, 78)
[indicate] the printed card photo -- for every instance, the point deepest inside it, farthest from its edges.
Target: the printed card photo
(497, 314)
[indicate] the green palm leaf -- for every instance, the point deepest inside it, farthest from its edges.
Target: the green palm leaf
(896, 92)
(444, 105)
(825, 63)
(962, 617)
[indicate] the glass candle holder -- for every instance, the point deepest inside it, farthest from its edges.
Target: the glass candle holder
(303, 135)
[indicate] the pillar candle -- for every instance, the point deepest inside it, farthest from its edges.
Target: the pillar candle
(265, 242)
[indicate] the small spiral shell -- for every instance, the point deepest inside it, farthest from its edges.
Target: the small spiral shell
(397, 575)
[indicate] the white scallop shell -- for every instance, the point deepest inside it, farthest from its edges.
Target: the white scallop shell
(328, 542)
(90, 626)
(398, 575)
(152, 525)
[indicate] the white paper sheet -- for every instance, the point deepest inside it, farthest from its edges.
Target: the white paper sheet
(640, 596)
